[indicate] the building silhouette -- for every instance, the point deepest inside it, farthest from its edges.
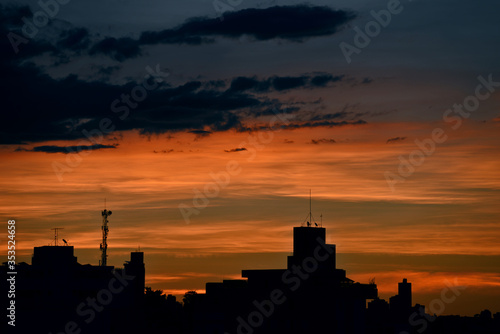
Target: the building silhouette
(57, 294)
(310, 296)
(394, 317)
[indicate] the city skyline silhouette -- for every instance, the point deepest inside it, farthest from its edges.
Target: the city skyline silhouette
(205, 134)
(311, 294)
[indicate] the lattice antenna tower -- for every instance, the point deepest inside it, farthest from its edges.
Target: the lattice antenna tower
(104, 245)
(56, 234)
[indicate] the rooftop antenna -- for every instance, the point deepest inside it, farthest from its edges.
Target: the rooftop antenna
(56, 234)
(310, 206)
(309, 223)
(104, 245)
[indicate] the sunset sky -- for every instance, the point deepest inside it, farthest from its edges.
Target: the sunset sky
(208, 169)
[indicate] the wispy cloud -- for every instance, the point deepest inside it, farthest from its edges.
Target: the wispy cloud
(395, 139)
(279, 22)
(66, 149)
(323, 141)
(239, 149)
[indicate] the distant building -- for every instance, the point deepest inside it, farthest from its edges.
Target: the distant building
(57, 294)
(400, 304)
(398, 315)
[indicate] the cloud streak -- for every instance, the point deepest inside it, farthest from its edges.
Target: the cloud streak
(292, 23)
(395, 139)
(239, 149)
(323, 141)
(277, 83)
(66, 149)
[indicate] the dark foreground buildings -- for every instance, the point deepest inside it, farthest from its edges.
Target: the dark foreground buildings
(310, 296)
(313, 296)
(56, 294)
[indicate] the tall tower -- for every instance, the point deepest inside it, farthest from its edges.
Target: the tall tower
(404, 291)
(104, 245)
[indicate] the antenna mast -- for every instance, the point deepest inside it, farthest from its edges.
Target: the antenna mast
(310, 206)
(104, 245)
(56, 234)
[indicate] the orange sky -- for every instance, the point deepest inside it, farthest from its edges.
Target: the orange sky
(447, 208)
(442, 224)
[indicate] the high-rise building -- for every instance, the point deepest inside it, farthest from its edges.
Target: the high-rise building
(311, 295)
(404, 292)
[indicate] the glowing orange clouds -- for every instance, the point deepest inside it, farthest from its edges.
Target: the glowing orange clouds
(447, 206)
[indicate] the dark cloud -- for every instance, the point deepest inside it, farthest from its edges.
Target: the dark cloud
(39, 108)
(216, 84)
(323, 79)
(328, 124)
(395, 139)
(337, 115)
(293, 23)
(276, 83)
(201, 133)
(323, 141)
(75, 39)
(66, 149)
(299, 125)
(118, 49)
(285, 83)
(239, 149)
(12, 40)
(275, 109)
(12, 14)
(241, 84)
(65, 109)
(164, 151)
